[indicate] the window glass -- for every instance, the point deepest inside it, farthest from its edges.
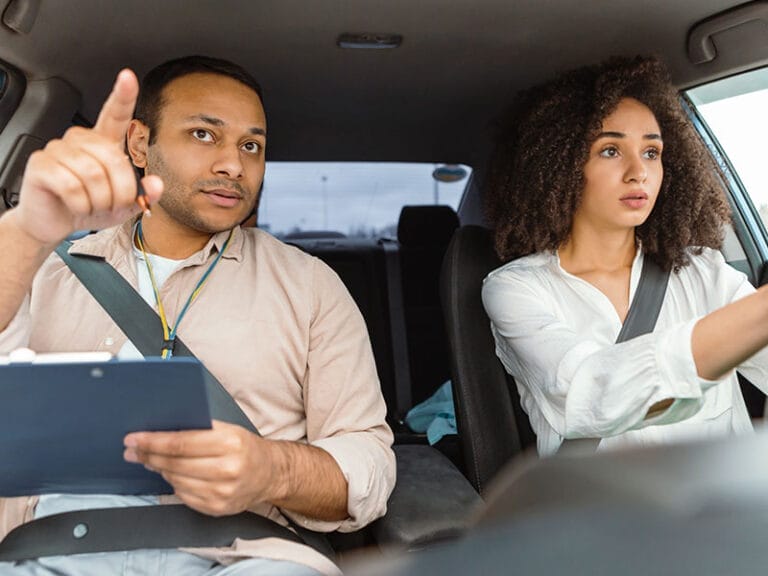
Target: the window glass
(355, 199)
(735, 111)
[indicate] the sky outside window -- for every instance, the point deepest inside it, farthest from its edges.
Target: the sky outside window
(740, 124)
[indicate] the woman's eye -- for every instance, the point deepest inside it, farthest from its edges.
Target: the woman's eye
(202, 135)
(252, 147)
(609, 152)
(652, 153)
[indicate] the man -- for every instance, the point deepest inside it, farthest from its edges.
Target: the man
(274, 325)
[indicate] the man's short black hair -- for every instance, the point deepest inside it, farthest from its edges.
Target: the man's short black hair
(150, 101)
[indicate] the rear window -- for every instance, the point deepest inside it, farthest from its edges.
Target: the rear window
(353, 199)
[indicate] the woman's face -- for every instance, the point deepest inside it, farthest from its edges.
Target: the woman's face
(623, 172)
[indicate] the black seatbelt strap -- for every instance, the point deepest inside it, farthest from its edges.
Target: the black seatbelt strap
(397, 331)
(646, 305)
(136, 527)
(133, 528)
(641, 319)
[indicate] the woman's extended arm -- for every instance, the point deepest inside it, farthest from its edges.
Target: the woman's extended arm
(727, 337)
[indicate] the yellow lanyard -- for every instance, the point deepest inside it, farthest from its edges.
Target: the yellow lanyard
(169, 333)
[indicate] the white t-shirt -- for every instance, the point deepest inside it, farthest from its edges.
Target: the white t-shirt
(162, 268)
(556, 334)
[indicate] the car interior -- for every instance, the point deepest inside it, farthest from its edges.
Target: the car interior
(397, 82)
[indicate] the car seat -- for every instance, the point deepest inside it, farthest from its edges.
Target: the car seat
(423, 233)
(491, 423)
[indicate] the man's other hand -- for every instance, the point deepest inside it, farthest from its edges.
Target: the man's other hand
(221, 471)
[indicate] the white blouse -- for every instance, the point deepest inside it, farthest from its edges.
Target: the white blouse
(556, 334)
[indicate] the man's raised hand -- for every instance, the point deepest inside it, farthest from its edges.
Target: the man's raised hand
(84, 180)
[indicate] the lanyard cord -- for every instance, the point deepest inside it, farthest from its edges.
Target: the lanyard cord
(169, 334)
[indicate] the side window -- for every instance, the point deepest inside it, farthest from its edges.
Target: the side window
(734, 121)
(734, 109)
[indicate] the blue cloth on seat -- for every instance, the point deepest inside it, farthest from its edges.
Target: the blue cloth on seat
(435, 416)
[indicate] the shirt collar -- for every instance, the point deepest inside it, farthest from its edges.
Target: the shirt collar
(119, 240)
(637, 262)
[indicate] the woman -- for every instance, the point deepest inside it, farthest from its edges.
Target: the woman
(594, 172)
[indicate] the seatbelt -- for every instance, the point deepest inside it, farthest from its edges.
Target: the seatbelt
(646, 305)
(133, 528)
(137, 527)
(641, 319)
(142, 325)
(397, 329)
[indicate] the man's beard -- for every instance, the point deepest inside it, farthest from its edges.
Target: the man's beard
(176, 197)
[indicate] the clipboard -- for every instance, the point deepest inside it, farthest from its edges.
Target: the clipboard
(62, 424)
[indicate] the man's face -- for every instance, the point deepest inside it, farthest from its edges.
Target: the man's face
(209, 150)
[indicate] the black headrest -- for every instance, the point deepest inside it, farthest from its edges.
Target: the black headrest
(430, 225)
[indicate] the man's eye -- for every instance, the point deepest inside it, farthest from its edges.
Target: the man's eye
(252, 147)
(202, 135)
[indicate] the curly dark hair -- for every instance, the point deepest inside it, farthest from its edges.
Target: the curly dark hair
(536, 174)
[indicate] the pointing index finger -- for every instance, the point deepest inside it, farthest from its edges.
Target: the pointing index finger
(117, 111)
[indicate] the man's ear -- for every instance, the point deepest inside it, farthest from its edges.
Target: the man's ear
(137, 142)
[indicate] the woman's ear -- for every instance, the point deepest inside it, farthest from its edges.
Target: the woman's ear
(137, 142)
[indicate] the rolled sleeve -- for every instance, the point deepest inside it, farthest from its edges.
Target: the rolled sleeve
(369, 469)
(608, 394)
(344, 407)
(674, 357)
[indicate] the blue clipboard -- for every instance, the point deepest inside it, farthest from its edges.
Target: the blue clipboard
(62, 425)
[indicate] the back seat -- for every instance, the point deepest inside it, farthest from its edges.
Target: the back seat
(424, 233)
(362, 265)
